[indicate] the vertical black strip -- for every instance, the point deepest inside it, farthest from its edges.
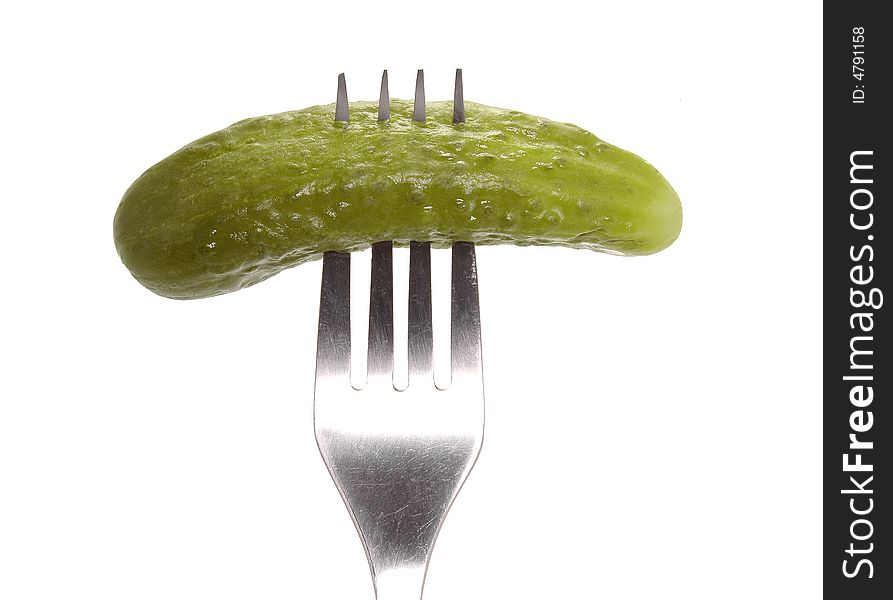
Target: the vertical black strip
(858, 367)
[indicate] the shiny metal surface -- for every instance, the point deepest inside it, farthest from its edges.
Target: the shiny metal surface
(418, 107)
(458, 99)
(420, 328)
(399, 458)
(341, 105)
(384, 99)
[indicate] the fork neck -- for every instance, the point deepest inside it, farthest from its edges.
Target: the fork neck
(402, 583)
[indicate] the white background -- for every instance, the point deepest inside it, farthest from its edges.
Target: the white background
(653, 423)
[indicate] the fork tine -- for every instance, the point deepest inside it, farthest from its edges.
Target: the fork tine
(381, 313)
(458, 99)
(418, 109)
(384, 99)
(466, 314)
(341, 106)
(421, 334)
(333, 338)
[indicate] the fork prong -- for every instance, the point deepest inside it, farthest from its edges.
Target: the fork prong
(421, 334)
(333, 338)
(465, 335)
(341, 107)
(381, 313)
(458, 99)
(418, 109)
(384, 99)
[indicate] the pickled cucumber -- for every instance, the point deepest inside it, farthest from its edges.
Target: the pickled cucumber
(238, 206)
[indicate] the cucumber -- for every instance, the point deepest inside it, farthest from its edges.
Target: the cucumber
(240, 205)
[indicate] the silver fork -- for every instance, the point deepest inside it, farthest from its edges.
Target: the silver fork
(399, 458)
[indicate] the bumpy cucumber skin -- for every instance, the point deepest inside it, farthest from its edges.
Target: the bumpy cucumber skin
(240, 205)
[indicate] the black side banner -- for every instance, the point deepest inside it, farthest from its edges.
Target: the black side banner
(858, 366)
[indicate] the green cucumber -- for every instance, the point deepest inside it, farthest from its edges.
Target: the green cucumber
(240, 205)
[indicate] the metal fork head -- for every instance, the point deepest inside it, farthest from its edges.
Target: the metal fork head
(399, 458)
(333, 356)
